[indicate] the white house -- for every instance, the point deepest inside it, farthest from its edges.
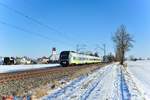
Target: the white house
(25, 61)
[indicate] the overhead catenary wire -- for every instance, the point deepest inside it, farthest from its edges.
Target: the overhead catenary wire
(28, 32)
(34, 20)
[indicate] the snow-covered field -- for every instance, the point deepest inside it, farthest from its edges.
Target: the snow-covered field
(140, 72)
(14, 68)
(112, 82)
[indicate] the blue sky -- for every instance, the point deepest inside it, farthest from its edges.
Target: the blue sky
(88, 22)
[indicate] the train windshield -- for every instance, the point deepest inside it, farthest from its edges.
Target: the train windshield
(64, 55)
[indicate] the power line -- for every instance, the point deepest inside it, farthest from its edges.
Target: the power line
(27, 31)
(102, 48)
(80, 47)
(33, 20)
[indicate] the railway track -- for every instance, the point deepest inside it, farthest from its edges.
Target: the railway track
(6, 77)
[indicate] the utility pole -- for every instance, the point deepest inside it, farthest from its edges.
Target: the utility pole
(77, 48)
(80, 47)
(104, 50)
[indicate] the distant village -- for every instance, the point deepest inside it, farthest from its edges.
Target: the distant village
(53, 58)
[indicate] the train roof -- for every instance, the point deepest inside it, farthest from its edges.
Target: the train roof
(78, 53)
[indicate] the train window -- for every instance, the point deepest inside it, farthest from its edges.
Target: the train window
(74, 58)
(80, 58)
(77, 58)
(64, 55)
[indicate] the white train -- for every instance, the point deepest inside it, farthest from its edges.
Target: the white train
(72, 58)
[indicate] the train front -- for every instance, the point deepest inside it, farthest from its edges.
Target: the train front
(64, 58)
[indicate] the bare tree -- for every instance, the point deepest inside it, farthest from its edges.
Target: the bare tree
(123, 42)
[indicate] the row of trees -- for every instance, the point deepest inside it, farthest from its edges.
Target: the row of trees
(123, 42)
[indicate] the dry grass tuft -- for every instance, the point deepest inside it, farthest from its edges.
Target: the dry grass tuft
(40, 92)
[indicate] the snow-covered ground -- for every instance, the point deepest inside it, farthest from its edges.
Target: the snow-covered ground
(108, 83)
(14, 68)
(140, 72)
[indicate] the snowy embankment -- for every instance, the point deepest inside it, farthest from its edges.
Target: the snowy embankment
(14, 68)
(140, 73)
(107, 83)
